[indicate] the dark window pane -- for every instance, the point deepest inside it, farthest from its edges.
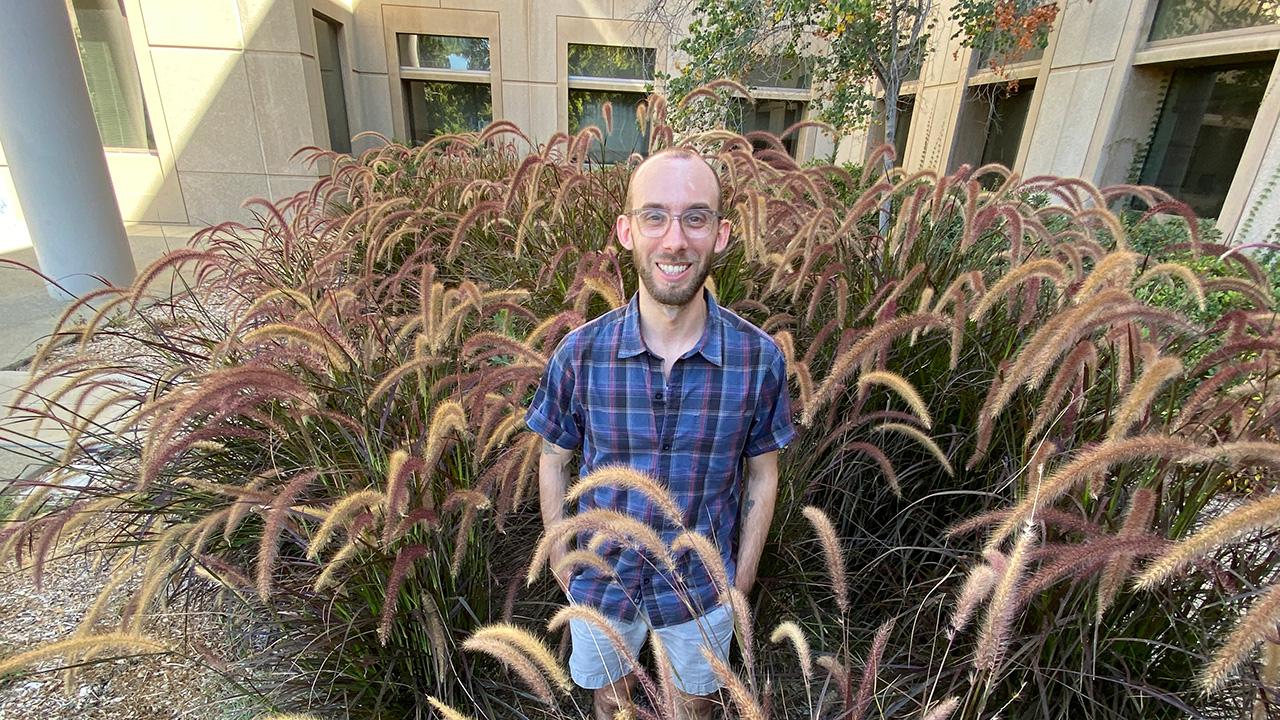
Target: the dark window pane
(771, 116)
(586, 108)
(335, 98)
(906, 109)
(445, 107)
(779, 73)
(987, 58)
(443, 52)
(611, 61)
(1179, 18)
(1200, 136)
(111, 74)
(1004, 127)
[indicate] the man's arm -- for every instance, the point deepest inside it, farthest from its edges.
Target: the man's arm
(553, 482)
(757, 514)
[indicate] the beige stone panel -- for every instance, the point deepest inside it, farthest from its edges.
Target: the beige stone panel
(375, 109)
(543, 121)
(932, 126)
(1090, 32)
(179, 235)
(1065, 124)
(852, 148)
(209, 109)
(280, 187)
(1262, 207)
(370, 52)
(315, 101)
(630, 9)
(517, 106)
(135, 177)
(939, 66)
(167, 205)
(270, 25)
(191, 23)
(214, 198)
(1132, 123)
(304, 26)
(281, 108)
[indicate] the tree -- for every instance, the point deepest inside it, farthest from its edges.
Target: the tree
(855, 48)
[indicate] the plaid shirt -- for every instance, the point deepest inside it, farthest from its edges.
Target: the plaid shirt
(726, 399)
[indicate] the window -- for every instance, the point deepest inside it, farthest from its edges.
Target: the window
(781, 90)
(1004, 126)
(1179, 18)
(447, 84)
(111, 74)
(600, 74)
(991, 123)
(1200, 135)
(906, 110)
(335, 99)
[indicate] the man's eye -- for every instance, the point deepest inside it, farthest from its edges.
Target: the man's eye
(697, 218)
(653, 217)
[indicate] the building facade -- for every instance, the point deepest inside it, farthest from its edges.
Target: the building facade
(203, 103)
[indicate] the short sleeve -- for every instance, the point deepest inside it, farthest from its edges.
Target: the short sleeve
(552, 414)
(771, 426)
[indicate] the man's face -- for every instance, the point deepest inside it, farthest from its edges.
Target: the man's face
(673, 267)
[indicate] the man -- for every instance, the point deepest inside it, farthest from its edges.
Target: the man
(680, 388)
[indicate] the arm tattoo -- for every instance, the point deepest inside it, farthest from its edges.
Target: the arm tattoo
(549, 448)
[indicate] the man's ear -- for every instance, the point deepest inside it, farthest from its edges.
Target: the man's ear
(722, 235)
(622, 229)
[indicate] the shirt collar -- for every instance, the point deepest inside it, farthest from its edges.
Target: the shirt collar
(710, 345)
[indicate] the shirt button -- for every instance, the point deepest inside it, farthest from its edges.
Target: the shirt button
(657, 395)
(666, 446)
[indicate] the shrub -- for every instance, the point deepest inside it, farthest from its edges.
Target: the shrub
(328, 426)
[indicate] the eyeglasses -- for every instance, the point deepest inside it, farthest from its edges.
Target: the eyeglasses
(697, 223)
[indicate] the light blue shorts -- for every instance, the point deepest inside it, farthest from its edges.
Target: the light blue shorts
(595, 662)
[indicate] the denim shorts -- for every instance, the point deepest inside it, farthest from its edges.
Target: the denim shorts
(595, 662)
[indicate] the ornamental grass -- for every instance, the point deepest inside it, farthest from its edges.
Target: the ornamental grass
(1038, 437)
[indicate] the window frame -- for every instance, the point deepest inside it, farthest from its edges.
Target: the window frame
(404, 20)
(153, 120)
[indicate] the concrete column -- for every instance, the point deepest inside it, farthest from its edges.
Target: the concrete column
(55, 153)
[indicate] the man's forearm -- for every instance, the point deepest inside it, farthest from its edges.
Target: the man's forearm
(758, 501)
(553, 481)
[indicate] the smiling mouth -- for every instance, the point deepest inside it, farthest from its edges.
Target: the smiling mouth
(673, 269)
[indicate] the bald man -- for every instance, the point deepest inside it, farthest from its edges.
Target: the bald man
(678, 387)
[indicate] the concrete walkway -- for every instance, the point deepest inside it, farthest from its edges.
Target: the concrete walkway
(27, 315)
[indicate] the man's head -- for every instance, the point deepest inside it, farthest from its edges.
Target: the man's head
(672, 224)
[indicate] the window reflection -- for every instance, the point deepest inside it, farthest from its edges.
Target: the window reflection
(1179, 18)
(1200, 136)
(586, 108)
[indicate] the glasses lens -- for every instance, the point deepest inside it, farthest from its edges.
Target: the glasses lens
(653, 221)
(697, 222)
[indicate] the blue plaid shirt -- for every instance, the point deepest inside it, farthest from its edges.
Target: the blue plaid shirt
(726, 399)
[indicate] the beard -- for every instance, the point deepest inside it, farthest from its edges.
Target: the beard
(678, 294)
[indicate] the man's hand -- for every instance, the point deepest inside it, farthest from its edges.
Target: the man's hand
(556, 556)
(553, 481)
(757, 514)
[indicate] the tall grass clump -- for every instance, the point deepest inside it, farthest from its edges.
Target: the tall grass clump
(1037, 456)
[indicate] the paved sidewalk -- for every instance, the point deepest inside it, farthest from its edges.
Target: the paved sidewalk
(27, 315)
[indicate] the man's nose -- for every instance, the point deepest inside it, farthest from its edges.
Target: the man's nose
(674, 238)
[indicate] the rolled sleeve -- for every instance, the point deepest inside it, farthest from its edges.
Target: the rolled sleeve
(552, 413)
(771, 427)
